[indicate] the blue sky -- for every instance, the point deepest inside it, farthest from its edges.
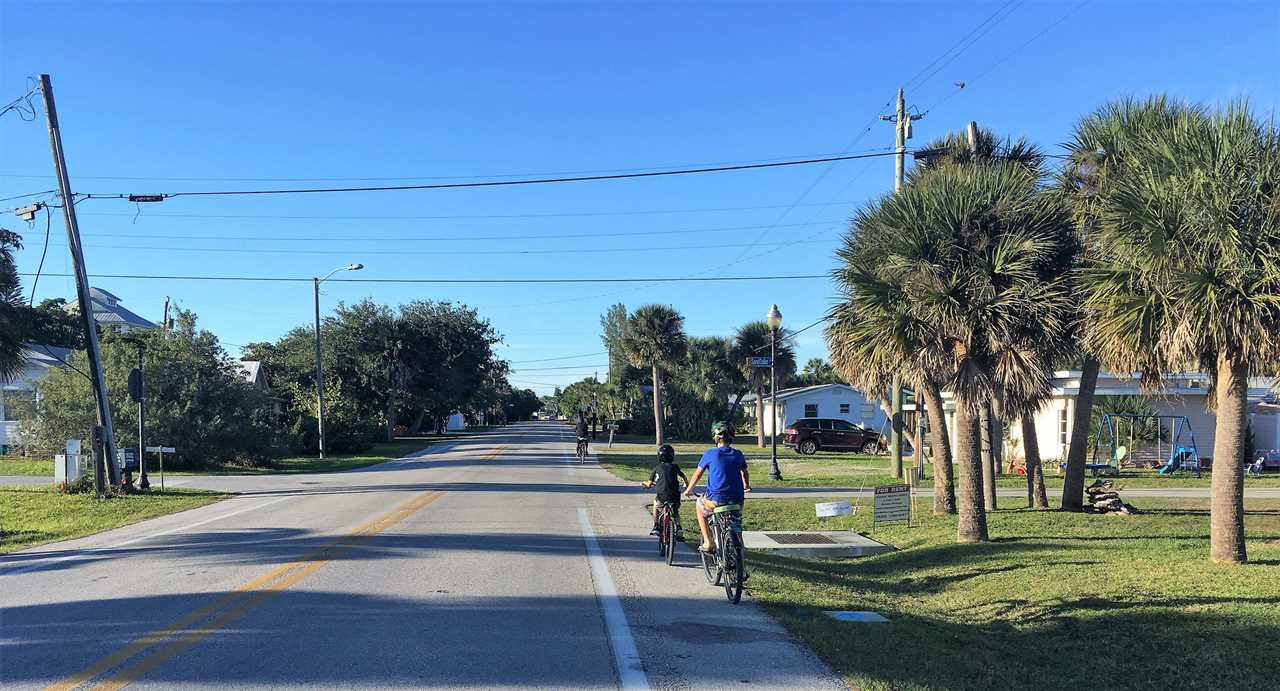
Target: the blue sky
(163, 97)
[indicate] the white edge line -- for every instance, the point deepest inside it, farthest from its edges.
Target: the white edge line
(90, 552)
(625, 656)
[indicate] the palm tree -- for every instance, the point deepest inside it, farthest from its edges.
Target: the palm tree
(979, 252)
(704, 381)
(874, 334)
(14, 316)
(1098, 150)
(655, 338)
(1187, 274)
(752, 339)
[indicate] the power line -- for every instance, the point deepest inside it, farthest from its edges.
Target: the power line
(977, 35)
(587, 368)
(448, 238)
(911, 83)
(24, 196)
(399, 252)
(503, 183)
(1076, 8)
(48, 224)
(366, 218)
(283, 279)
(418, 177)
(566, 357)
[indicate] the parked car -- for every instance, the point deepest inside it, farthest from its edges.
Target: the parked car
(808, 435)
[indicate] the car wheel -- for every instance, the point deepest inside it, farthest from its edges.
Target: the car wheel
(871, 448)
(808, 447)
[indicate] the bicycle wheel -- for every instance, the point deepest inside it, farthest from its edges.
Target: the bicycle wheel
(731, 558)
(662, 533)
(669, 529)
(711, 564)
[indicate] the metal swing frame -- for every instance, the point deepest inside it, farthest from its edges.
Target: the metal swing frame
(1188, 457)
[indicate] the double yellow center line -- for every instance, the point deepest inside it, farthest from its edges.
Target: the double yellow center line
(184, 633)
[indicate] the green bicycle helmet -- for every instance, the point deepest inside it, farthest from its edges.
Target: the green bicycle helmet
(722, 430)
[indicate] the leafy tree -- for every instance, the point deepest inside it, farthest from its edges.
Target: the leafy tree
(655, 338)
(1187, 273)
(197, 400)
(520, 404)
(55, 325)
(449, 357)
(613, 325)
(752, 339)
(367, 343)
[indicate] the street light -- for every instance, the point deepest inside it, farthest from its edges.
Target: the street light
(319, 371)
(774, 320)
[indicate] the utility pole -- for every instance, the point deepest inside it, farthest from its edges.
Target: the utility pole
(319, 373)
(902, 132)
(82, 284)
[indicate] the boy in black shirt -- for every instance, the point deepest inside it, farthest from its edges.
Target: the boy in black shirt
(666, 487)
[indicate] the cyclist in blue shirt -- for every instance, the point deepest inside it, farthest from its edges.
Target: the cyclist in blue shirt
(727, 478)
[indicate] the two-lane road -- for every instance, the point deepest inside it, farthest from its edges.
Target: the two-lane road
(495, 561)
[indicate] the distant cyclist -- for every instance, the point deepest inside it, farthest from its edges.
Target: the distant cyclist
(727, 479)
(665, 480)
(581, 429)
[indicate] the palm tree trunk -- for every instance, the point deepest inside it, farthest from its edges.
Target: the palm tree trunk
(944, 488)
(658, 432)
(1226, 508)
(986, 456)
(1073, 483)
(972, 523)
(760, 415)
(391, 417)
(1037, 498)
(416, 428)
(737, 401)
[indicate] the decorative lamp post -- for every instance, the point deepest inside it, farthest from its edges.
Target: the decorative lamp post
(319, 370)
(774, 320)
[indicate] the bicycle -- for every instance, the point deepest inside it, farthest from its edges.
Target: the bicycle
(582, 450)
(723, 566)
(667, 532)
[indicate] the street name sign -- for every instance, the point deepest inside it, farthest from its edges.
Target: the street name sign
(762, 362)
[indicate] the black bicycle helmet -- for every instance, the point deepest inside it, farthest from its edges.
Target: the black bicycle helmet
(666, 454)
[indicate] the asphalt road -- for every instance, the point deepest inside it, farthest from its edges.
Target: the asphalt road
(493, 562)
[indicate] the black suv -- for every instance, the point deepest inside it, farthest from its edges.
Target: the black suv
(809, 434)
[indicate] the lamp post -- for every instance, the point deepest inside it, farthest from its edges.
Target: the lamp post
(774, 320)
(319, 369)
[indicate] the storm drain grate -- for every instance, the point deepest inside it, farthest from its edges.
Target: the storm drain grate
(800, 539)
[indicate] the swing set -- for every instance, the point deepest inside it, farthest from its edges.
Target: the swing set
(1143, 451)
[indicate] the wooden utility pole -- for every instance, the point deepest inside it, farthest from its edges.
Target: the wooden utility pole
(82, 284)
(902, 132)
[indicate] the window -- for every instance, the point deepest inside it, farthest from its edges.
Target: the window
(806, 424)
(844, 408)
(824, 425)
(811, 410)
(842, 426)
(1063, 426)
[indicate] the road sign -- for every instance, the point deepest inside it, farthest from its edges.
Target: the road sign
(161, 449)
(762, 362)
(136, 385)
(893, 503)
(835, 508)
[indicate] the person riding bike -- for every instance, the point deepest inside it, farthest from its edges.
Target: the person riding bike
(581, 430)
(727, 479)
(665, 479)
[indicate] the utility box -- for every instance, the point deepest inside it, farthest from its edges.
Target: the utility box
(67, 468)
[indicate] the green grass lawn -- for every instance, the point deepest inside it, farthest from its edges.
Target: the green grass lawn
(33, 515)
(21, 465)
(632, 460)
(1055, 601)
(632, 457)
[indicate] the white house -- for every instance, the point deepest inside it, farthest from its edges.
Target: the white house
(836, 401)
(18, 395)
(1183, 395)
